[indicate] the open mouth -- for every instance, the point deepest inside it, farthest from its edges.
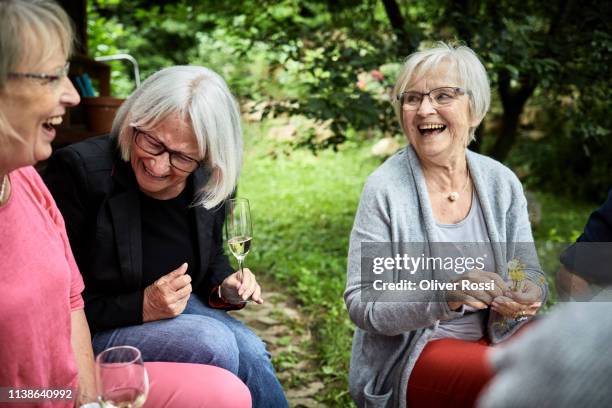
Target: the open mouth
(430, 129)
(50, 123)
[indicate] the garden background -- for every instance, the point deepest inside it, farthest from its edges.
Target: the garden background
(313, 80)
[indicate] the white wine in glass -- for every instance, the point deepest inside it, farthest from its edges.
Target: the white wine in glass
(238, 229)
(239, 246)
(122, 378)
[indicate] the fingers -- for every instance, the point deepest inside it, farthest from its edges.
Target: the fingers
(458, 298)
(167, 297)
(499, 286)
(238, 291)
(529, 293)
(169, 277)
(257, 295)
(180, 282)
(479, 296)
(183, 292)
(246, 282)
(490, 284)
(179, 306)
(511, 309)
(475, 303)
(483, 295)
(248, 285)
(178, 271)
(506, 306)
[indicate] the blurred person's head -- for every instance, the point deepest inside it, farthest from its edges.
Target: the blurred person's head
(36, 38)
(180, 119)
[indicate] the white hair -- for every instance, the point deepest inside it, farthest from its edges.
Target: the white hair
(202, 98)
(471, 75)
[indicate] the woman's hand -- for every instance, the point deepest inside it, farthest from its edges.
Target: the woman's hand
(167, 297)
(235, 290)
(524, 302)
(478, 299)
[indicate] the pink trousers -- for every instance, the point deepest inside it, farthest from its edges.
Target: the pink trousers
(184, 385)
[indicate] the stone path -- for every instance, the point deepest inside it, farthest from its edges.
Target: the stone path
(285, 330)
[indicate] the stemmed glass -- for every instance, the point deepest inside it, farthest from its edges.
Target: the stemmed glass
(238, 229)
(122, 378)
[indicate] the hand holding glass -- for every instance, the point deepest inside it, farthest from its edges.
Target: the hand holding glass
(239, 231)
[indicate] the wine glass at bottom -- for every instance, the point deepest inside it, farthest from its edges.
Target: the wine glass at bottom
(121, 377)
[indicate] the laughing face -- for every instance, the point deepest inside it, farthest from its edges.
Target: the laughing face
(154, 174)
(34, 106)
(438, 134)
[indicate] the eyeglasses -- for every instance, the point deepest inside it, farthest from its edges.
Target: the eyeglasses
(438, 97)
(151, 145)
(54, 79)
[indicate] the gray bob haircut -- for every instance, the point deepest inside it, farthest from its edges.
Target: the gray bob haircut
(470, 72)
(31, 32)
(202, 98)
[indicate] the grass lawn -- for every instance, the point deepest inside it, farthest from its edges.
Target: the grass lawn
(303, 208)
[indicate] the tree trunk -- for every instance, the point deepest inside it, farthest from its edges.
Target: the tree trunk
(394, 14)
(459, 11)
(506, 138)
(513, 102)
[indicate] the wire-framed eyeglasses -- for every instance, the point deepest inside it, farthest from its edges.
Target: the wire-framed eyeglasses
(151, 145)
(53, 78)
(439, 97)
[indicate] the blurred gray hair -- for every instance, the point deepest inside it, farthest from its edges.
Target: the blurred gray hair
(203, 99)
(471, 74)
(31, 32)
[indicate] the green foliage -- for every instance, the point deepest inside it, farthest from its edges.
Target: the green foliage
(311, 58)
(562, 222)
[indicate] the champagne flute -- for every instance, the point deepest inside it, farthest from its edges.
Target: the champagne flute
(238, 230)
(122, 378)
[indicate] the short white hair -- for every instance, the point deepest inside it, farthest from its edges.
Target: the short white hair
(203, 99)
(471, 75)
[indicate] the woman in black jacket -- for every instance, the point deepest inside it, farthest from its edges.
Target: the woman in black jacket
(144, 210)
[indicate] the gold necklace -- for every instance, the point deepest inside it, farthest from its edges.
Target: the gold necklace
(3, 188)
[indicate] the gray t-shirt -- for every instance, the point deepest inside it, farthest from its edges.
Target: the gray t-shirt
(469, 238)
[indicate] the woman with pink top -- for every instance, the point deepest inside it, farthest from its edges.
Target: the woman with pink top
(44, 337)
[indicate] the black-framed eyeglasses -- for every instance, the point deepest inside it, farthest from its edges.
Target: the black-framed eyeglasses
(438, 97)
(149, 144)
(53, 78)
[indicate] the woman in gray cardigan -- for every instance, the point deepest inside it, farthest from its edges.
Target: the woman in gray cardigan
(420, 345)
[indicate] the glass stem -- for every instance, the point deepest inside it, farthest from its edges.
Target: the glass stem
(240, 262)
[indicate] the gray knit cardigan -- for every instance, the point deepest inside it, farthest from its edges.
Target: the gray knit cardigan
(395, 207)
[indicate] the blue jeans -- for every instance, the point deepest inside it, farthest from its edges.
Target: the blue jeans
(205, 336)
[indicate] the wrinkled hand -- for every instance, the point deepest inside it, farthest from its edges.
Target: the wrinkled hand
(167, 297)
(478, 299)
(235, 290)
(524, 302)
